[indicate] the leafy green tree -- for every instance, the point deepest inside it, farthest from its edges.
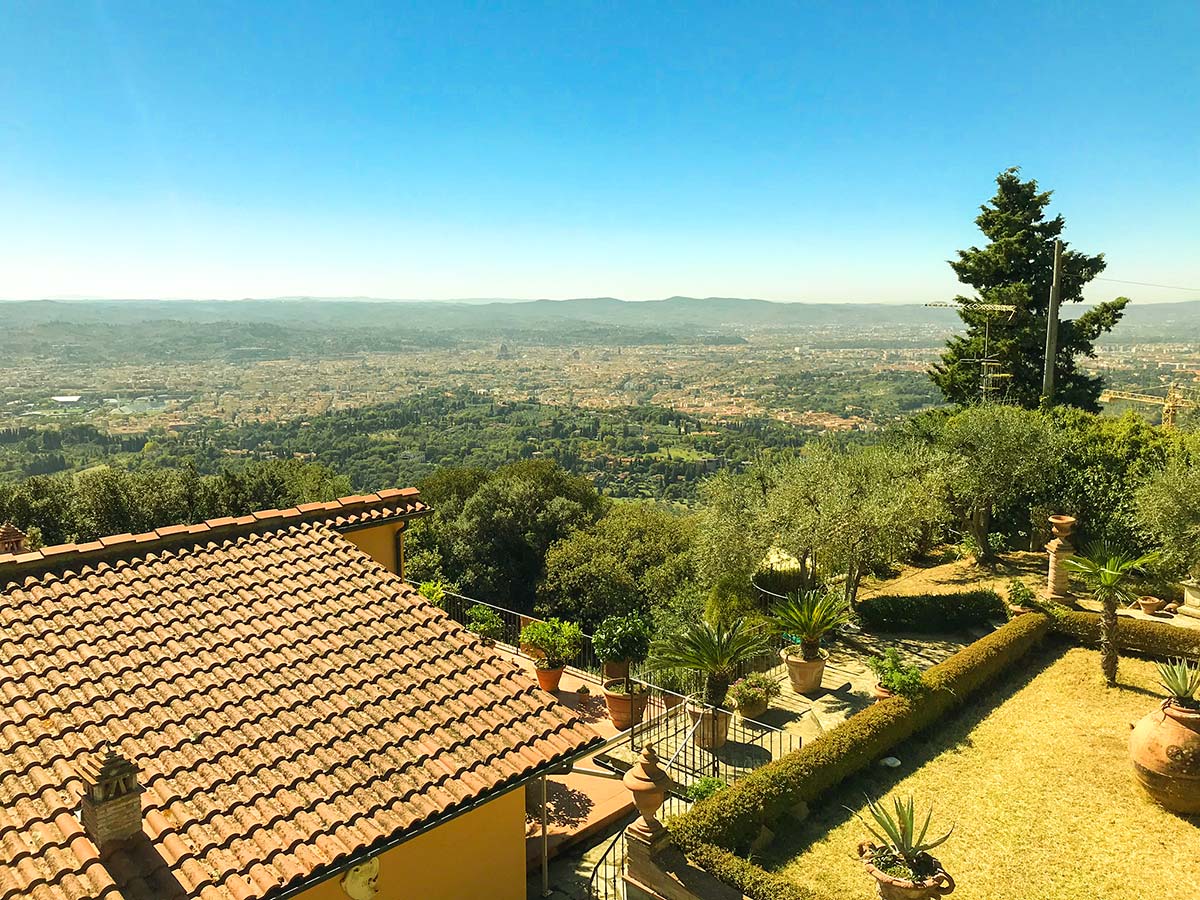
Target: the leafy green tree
(1015, 268)
(507, 526)
(636, 557)
(1109, 574)
(1168, 512)
(998, 455)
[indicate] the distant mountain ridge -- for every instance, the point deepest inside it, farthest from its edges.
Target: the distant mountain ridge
(673, 316)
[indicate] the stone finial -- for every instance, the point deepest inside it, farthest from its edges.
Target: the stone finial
(648, 784)
(12, 539)
(111, 809)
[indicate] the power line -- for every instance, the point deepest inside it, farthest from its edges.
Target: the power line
(1173, 287)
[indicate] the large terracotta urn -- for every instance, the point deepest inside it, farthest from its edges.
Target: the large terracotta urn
(713, 728)
(889, 887)
(1165, 749)
(626, 708)
(804, 674)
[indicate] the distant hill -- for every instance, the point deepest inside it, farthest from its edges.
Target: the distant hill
(593, 319)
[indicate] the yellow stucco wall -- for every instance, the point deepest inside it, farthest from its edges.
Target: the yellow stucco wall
(478, 856)
(379, 542)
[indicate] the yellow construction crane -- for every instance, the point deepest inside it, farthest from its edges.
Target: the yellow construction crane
(1171, 404)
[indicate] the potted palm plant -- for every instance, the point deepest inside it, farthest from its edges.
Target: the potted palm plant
(1109, 574)
(716, 652)
(806, 617)
(1165, 744)
(556, 643)
(619, 641)
(900, 863)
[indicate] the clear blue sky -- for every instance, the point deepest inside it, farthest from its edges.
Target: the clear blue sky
(805, 151)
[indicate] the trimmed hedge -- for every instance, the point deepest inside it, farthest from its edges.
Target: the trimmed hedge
(932, 612)
(1158, 639)
(717, 833)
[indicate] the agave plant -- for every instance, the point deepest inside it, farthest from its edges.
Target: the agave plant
(1108, 572)
(899, 837)
(713, 650)
(808, 616)
(1181, 680)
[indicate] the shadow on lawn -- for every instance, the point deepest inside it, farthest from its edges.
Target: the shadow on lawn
(951, 734)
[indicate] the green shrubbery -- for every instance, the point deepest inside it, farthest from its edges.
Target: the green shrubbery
(1158, 639)
(715, 830)
(932, 612)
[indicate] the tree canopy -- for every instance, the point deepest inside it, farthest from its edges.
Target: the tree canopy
(1015, 268)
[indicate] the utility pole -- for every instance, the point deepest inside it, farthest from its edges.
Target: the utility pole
(1052, 328)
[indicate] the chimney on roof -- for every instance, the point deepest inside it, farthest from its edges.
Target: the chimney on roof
(12, 539)
(112, 800)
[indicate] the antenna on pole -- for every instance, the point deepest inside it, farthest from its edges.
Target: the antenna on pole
(1052, 328)
(990, 374)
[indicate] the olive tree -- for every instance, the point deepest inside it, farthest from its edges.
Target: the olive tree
(997, 455)
(1168, 512)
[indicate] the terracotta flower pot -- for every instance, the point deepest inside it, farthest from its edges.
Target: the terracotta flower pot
(1150, 604)
(618, 668)
(625, 710)
(889, 887)
(879, 692)
(548, 679)
(1165, 749)
(670, 701)
(752, 710)
(713, 729)
(805, 675)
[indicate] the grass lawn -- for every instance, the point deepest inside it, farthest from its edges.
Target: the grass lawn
(1036, 776)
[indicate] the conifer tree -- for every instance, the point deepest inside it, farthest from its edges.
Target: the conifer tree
(1015, 268)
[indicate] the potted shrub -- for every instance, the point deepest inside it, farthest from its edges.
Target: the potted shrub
(434, 591)
(619, 641)
(894, 676)
(557, 643)
(715, 651)
(805, 618)
(900, 863)
(753, 694)
(485, 622)
(1165, 744)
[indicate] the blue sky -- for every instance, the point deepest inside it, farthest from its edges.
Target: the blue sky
(792, 151)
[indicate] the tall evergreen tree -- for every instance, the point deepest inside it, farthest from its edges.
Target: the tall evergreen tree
(1016, 268)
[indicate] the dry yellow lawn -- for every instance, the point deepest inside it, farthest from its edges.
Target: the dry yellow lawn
(1036, 775)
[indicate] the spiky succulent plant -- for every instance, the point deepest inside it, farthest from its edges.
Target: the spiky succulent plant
(900, 839)
(1181, 679)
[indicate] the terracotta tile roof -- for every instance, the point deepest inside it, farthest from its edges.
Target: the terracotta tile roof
(343, 512)
(287, 701)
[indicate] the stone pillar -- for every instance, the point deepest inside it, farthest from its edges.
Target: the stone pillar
(655, 869)
(1060, 549)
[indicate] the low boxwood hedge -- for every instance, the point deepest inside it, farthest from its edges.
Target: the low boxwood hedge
(1158, 639)
(717, 833)
(932, 612)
